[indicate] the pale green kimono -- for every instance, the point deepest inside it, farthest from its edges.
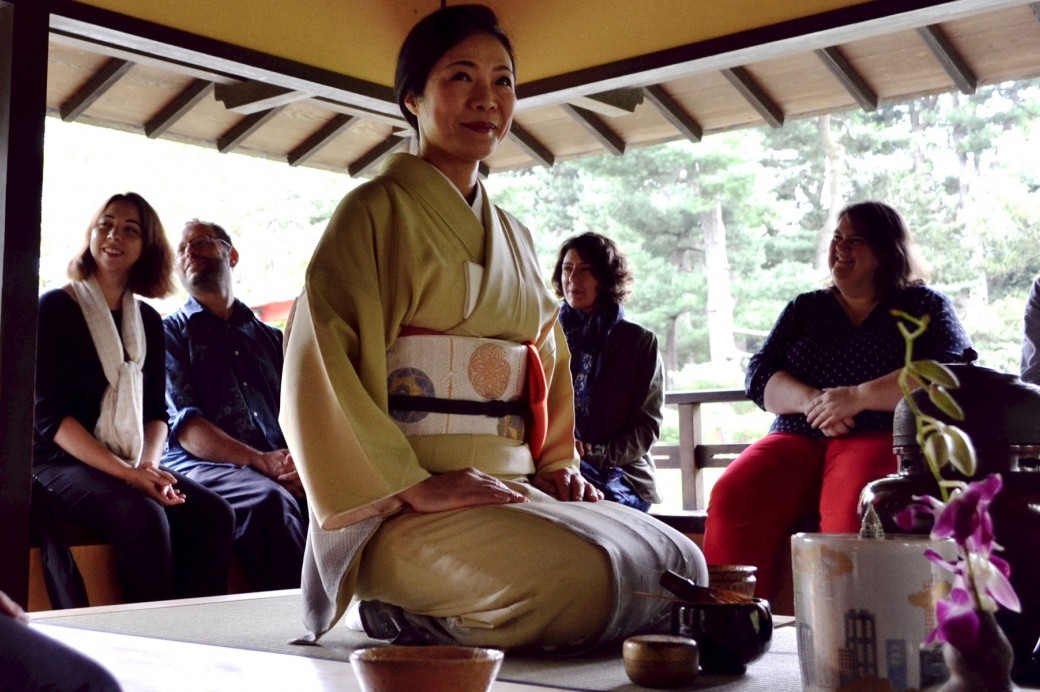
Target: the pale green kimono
(406, 250)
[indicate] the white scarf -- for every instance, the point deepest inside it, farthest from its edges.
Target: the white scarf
(119, 427)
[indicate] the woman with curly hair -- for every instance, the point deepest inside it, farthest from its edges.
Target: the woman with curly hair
(617, 371)
(828, 370)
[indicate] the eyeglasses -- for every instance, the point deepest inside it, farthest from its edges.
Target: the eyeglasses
(203, 243)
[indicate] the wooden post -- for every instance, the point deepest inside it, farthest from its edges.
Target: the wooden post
(23, 88)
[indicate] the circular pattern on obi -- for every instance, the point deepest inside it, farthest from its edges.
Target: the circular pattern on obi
(489, 371)
(409, 382)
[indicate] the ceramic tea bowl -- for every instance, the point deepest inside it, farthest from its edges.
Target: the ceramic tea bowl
(427, 668)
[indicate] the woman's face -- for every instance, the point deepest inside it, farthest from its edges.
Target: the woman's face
(580, 287)
(116, 240)
(467, 105)
(852, 261)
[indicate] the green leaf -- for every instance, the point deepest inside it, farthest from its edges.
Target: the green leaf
(962, 452)
(944, 402)
(937, 450)
(935, 373)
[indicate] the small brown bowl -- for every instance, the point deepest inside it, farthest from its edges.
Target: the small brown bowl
(660, 660)
(738, 578)
(427, 668)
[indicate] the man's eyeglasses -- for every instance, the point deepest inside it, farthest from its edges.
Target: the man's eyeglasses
(203, 243)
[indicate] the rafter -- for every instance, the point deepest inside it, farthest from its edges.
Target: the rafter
(253, 97)
(742, 80)
(175, 109)
(949, 58)
(670, 109)
(610, 104)
(371, 158)
(317, 141)
(245, 127)
(103, 80)
(531, 146)
(597, 128)
(849, 78)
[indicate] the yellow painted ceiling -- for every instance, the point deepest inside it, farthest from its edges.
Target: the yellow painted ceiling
(551, 37)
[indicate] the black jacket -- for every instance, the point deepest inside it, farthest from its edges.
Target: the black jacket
(625, 402)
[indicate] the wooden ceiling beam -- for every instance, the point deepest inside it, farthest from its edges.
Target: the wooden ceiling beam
(243, 128)
(670, 109)
(742, 80)
(849, 78)
(531, 146)
(371, 158)
(102, 80)
(597, 128)
(949, 58)
(316, 142)
(253, 97)
(177, 108)
(610, 104)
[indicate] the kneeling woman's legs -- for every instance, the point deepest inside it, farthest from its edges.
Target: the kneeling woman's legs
(762, 493)
(497, 577)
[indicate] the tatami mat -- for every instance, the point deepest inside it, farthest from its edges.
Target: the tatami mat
(269, 623)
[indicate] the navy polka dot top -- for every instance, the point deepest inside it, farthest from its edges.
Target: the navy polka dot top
(816, 342)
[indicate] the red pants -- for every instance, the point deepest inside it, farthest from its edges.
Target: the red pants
(780, 479)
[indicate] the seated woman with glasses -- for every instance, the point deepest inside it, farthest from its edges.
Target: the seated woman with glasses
(101, 422)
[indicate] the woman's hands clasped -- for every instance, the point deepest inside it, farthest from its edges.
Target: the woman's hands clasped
(156, 484)
(833, 411)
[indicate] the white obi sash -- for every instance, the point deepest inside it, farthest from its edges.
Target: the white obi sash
(442, 384)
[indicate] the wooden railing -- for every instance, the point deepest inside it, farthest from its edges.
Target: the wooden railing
(692, 455)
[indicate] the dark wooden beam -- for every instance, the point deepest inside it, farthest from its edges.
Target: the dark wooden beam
(254, 97)
(949, 58)
(325, 134)
(243, 128)
(23, 110)
(610, 104)
(371, 158)
(531, 146)
(674, 113)
(175, 109)
(849, 78)
(597, 128)
(103, 80)
(742, 80)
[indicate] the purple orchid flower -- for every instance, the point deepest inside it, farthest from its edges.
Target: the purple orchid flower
(980, 578)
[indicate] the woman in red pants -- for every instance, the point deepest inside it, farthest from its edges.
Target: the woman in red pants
(828, 370)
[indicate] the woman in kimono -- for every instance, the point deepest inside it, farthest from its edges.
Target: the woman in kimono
(428, 404)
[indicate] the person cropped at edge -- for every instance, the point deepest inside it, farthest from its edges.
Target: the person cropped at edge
(223, 382)
(829, 370)
(101, 423)
(488, 535)
(33, 662)
(617, 371)
(1031, 336)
